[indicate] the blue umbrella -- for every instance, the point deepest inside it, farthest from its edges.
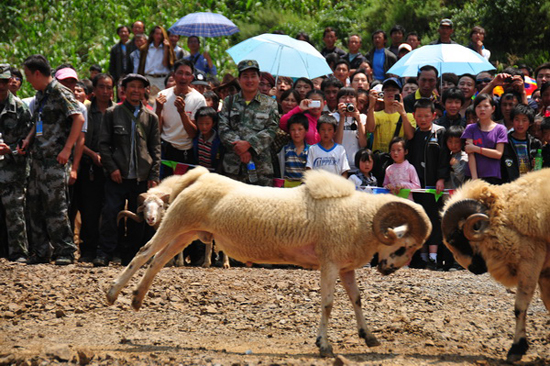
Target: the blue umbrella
(282, 55)
(204, 25)
(445, 58)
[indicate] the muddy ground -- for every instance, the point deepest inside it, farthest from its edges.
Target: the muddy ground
(256, 316)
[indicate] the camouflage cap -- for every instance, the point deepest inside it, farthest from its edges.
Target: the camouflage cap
(5, 72)
(248, 64)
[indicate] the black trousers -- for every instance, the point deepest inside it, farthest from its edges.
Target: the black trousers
(169, 152)
(89, 195)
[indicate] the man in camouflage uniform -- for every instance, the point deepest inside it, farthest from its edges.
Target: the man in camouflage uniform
(57, 125)
(15, 123)
(248, 123)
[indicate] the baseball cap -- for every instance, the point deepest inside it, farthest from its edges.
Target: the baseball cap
(200, 79)
(446, 23)
(405, 46)
(66, 73)
(391, 81)
(5, 72)
(248, 64)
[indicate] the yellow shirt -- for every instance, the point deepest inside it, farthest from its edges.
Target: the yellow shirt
(385, 129)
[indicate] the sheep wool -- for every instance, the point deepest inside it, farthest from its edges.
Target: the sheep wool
(325, 224)
(504, 230)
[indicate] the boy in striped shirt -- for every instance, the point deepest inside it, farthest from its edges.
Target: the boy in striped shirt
(294, 155)
(207, 146)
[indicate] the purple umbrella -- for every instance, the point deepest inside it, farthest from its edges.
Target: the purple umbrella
(204, 25)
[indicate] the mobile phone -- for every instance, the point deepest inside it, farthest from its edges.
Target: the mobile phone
(397, 98)
(381, 96)
(314, 104)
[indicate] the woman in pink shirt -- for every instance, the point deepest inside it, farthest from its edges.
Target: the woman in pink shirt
(312, 107)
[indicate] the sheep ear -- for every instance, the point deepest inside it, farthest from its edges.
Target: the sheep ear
(165, 198)
(400, 231)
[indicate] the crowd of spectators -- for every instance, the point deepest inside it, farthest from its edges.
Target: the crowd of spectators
(93, 144)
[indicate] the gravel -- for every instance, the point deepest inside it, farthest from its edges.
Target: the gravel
(257, 316)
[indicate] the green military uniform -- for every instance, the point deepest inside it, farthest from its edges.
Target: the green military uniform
(255, 122)
(47, 192)
(15, 123)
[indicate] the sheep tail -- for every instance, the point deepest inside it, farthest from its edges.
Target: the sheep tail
(186, 180)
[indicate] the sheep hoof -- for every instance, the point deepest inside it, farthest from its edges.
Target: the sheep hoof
(111, 296)
(513, 357)
(137, 300)
(326, 351)
(136, 304)
(372, 341)
(517, 351)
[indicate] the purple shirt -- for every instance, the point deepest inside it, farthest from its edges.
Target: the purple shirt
(486, 167)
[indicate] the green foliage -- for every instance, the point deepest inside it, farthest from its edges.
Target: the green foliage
(516, 29)
(83, 31)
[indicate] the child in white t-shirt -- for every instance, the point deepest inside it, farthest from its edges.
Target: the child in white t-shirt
(327, 154)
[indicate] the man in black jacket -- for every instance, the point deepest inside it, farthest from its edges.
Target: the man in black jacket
(119, 61)
(129, 145)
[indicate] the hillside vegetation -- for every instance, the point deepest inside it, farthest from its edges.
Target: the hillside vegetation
(82, 32)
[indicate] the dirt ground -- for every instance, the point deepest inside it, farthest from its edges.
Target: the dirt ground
(256, 316)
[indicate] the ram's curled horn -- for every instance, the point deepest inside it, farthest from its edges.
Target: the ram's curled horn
(476, 226)
(467, 215)
(141, 198)
(394, 220)
(129, 214)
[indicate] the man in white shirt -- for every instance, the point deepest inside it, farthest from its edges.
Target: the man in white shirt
(176, 109)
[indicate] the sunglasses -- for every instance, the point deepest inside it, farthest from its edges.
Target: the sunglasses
(486, 80)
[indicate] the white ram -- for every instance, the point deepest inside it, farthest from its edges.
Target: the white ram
(504, 230)
(324, 224)
(152, 206)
